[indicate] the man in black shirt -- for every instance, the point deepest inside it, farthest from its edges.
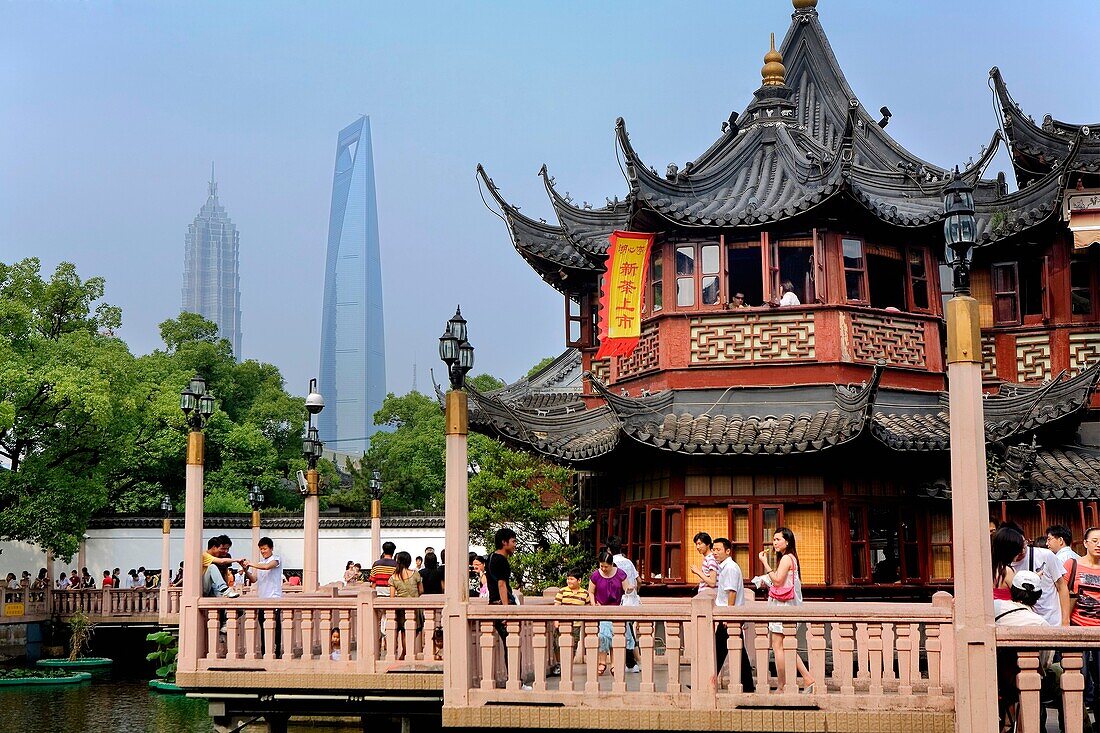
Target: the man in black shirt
(498, 574)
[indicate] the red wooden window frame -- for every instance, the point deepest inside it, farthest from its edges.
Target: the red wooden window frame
(921, 255)
(860, 271)
(1089, 261)
(1005, 292)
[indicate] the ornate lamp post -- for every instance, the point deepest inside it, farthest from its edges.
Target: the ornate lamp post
(165, 553)
(457, 353)
(256, 500)
(312, 448)
(375, 515)
(197, 404)
(975, 637)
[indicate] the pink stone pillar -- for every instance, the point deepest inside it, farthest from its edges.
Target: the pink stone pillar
(375, 530)
(82, 555)
(456, 655)
(312, 520)
(190, 626)
(166, 568)
(975, 637)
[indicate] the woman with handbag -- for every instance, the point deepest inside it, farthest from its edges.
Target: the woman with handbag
(784, 589)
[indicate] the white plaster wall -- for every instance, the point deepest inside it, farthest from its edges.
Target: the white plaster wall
(127, 548)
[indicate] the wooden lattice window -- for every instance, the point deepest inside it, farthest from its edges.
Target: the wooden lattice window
(855, 270)
(940, 545)
(1006, 293)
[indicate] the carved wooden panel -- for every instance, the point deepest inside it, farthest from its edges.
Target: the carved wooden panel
(899, 341)
(989, 357)
(748, 338)
(1084, 350)
(644, 357)
(1033, 358)
(601, 370)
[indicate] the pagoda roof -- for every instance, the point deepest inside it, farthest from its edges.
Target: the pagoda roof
(546, 413)
(1039, 149)
(1028, 472)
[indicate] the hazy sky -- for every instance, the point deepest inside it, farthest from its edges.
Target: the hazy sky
(110, 113)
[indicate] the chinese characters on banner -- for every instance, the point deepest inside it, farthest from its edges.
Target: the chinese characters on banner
(621, 294)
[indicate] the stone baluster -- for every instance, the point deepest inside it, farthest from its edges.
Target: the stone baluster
(763, 647)
(844, 660)
(1073, 688)
(789, 685)
(539, 643)
(1029, 680)
(591, 640)
(734, 644)
(430, 620)
(346, 627)
(889, 633)
(674, 632)
(367, 633)
(946, 631)
(233, 649)
(488, 639)
(932, 643)
(307, 633)
(874, 657)
(212, 644)
(251, 642)
(289, 640)
(410, 634)
(325, 630)
(618, 656)
(268, 632)
(815, 641)
(513, 657)
(905, 655)
(862, 658)
(565, 654)
(644, 651)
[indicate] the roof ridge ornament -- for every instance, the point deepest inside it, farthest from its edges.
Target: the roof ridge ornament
(773, 71)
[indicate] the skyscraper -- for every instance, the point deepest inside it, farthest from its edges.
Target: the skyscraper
(211, 269)
(353, 346)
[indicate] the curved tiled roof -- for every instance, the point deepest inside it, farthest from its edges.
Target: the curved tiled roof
(587, 228)
(1030, 473)
(1037, 150)
(926, 427)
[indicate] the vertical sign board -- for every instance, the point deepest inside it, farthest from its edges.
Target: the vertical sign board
(621, 295)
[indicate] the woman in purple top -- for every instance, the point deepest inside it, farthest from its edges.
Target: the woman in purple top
(606, 587)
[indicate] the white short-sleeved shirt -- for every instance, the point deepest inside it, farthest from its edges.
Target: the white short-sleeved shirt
(1066, 554)
(730, 578)
(623, 563)
(269, 583)
(789, 298)
(1046, 565)
(1011, 613)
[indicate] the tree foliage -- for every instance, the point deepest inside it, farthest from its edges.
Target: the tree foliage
(543, 363)
(86, 427)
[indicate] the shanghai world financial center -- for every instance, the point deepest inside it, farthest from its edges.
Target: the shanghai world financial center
(353, 350)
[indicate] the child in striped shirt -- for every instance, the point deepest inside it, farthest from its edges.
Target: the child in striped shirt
(573, 594)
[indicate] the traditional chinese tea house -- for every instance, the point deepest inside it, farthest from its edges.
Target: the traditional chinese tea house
(738, 415)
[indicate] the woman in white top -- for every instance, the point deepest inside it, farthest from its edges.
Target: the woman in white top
(784, 589)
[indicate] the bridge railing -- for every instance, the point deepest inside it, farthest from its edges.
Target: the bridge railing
(32, 603)
(295, 633)
(1035, 678)
(859, 655)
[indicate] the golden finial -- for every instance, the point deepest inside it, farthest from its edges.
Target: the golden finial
(773, 70)
(804, 4)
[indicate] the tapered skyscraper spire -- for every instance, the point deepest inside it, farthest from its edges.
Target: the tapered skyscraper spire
(211, 279)
(353, 342)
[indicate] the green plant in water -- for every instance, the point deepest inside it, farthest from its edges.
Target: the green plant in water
(167, 650)
(80, 634)
(22, 673)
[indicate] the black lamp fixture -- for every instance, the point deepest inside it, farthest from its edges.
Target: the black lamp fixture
(166, 506)
(312, 447)
(959, 229)
(376, 484)
(197, 402)
(455, 351)
(256, 497)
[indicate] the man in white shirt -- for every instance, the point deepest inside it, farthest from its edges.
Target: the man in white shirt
(1053, 605)
(730, 592)
(268, 579)
(140, 582)
(1060, 542)
(630, 598)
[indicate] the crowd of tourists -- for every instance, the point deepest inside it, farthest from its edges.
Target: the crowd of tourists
(1043, 582)
(72, 580)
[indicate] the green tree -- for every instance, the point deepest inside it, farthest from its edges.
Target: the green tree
(543, 363)
(64, 382)
(486, 382)
(538, 500)
(410, 456)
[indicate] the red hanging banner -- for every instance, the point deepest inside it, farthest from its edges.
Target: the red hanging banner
(621, 293)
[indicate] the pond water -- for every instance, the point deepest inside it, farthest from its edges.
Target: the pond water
(116, 700)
